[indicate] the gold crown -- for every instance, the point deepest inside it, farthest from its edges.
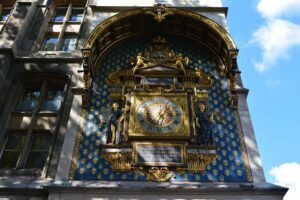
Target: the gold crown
(159, 40)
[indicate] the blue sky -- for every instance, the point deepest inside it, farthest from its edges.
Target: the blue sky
(267, 33)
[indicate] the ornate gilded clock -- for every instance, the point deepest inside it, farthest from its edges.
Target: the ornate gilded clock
(159, 115)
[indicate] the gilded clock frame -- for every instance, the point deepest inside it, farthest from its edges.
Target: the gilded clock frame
(180, 132)
(160, 126)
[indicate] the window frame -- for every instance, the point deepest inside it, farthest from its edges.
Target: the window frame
(4, 22)
(55, 15)
(62, 33)
(38, 85)
(46, 39)
(71, 15)
(2, 150)
(69, 36)
(60, 81)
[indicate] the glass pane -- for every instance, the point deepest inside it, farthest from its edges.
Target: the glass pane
(9, 159)
(53, 100)
(5, 14)
(50, 44)
(36, 160)
(38, 152)
(15, 142)
(60, 15)
(41, 142)
(69, 44)
(29, 100)
(77, 15)
(12, 150)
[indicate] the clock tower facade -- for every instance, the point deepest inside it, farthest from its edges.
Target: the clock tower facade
(153, 108)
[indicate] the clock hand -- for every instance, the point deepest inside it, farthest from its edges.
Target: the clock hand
(160, 115)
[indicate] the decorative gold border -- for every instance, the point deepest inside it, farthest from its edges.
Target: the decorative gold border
(212, 24)
(77, 145)
(179, 144)
(243, 146)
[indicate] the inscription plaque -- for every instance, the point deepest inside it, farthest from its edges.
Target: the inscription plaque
(152, 80)
(159, 154)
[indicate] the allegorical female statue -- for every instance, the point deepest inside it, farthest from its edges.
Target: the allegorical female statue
(204, 125)
(113, 125)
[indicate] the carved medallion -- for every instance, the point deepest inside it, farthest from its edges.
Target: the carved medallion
(159, 174)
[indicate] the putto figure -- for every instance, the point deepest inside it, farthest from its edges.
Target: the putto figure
(181, 62)
(140, 62)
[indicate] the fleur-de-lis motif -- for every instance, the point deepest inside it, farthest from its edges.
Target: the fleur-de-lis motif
(160, 12)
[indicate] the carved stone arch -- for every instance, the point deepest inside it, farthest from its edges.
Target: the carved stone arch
(215, 27)
(160, 19)
(182, 21)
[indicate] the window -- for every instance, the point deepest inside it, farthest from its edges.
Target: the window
(65, 28)
(60, 15)
(4, 15)
(14, 144)
(52, 100)
(50, 43)
(77, 15)
(46, 97)
(38, 152)
(29, 134)
(29, 100)
(69, 43)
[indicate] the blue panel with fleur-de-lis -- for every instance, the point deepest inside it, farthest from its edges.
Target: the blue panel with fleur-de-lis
(231, 164)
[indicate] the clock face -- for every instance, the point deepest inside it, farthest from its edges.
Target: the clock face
(159, 115)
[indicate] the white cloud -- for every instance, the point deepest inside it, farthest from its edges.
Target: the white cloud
(273, 83)
(278, 8)
(279, 34)
(275, 39)
(288, 175)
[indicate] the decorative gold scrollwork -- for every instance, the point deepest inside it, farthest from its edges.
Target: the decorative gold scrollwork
(159, 174)
(197, 162)
(205, 79)
(121, 161)
(113, 78)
